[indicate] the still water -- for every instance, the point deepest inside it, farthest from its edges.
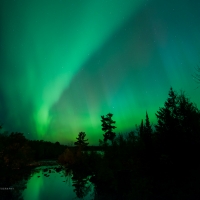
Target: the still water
(47, 182)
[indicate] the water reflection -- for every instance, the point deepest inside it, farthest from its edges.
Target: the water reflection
(53, 182)
(44, 182)
(82, 185)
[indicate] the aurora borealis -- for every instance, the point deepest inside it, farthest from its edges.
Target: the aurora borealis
(64, 63)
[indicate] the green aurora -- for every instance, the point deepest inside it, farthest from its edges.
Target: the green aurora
(64, 63)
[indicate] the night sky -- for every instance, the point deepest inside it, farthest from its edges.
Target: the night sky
(64, 63)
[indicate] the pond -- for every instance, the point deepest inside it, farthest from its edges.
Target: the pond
(47, 183)
(52, 182)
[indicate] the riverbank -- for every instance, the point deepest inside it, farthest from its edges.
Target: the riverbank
(43, 163)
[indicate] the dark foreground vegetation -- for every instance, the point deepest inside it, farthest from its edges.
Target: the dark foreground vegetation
(151, 162)
(160, 162)
(18, 157)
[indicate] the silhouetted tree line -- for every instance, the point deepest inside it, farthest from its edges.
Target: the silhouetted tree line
(16, 151)
(160, 162)
(16, 156)
(46, 150)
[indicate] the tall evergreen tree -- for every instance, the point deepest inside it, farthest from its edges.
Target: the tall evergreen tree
(178, 128)
(141, 129)
(81, 141)
(147, 132)
(147, 124)
(167, 117)
(107, 127)
(189, 119)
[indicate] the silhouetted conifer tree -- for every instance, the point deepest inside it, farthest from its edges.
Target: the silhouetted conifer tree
(147, 124)
(167, 125)
(189, 122)
(178, 128)
(147, 133)
(81, 141)
(141, 129)
(107, 127)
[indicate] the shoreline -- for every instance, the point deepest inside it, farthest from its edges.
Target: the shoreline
(44, 163)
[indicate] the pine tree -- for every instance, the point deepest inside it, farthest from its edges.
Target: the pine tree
(141, 130)
(147, 132)
(81, 141)
(147, 124)
(189, 118)
(167, 116)
(107, 127)
(168, 125)
(177, 131)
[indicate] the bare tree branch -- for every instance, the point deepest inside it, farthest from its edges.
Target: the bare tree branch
(196, 75)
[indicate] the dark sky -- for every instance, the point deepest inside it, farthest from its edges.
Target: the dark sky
(64, 63)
